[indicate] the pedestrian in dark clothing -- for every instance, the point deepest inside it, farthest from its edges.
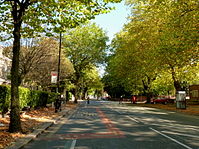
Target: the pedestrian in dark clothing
(57, 104)
(88, 100)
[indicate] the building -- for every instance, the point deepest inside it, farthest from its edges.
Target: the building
(5, 67)
(194, 93)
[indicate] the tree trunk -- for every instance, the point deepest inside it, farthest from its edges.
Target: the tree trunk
(146, 89)
(15, 123)
(67, 96)
(76, 95)
(176, 82)
(84, 93)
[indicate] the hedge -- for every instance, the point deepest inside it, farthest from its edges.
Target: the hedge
(4, 99)
(32, 98)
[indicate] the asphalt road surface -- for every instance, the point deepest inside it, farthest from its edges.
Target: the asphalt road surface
(109, 125)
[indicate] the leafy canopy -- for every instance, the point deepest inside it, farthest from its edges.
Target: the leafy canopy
(48, 16)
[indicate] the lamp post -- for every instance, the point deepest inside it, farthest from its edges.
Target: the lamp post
(58, 100)
(59, 62)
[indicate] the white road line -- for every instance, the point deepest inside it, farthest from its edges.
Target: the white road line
(119, 112)
(133, 119)
(174, 140)
(73, 144)
(176, 133)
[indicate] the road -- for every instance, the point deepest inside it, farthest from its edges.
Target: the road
(109, 125)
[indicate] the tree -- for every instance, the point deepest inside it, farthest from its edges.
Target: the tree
(28, 17)
(38, 57)
(133, 61)
(38, 60)
(85, 46)
(90, 83)
(160, 37)
(157, 45)
(178, 43)
(176, 29)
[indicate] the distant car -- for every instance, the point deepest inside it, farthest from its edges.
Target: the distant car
(106, 98)
(161, 100)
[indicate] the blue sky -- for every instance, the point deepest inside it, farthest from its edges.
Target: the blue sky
(113, 22)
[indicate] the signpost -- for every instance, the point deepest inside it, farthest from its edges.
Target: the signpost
(54, 75)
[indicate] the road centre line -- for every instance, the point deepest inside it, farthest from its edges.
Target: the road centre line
(126, 116)
(176, 133)
(172, 139)
(133, 119)
(119, 112)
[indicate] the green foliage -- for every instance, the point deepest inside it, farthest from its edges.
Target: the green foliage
(4, 98)
(158, 48)
(41, 98)
(85, 46)
(47, 17)
(29, 18)
(27, 97)
(92, 80)
(114, 88)
(51, 97)
(24, 97)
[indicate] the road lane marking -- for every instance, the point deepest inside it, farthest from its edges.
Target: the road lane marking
(172, 139)
(133, 119)
(118, 112)
(70, 144)
(108, 123)
(113, 131)
(73, 144)
(176, 133)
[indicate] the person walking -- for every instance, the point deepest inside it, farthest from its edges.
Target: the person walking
(88, 100)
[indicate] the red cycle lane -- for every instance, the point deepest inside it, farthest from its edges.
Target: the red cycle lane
(112, 131)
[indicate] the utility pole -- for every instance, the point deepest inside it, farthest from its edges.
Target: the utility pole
(59, 61)
(58, 100)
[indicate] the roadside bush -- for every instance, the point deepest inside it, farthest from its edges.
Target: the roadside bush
(32, 98)
(41, 98)
(51, 97)
(24, 97)
(4, 99)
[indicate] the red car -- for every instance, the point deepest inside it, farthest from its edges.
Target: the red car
(162, 100)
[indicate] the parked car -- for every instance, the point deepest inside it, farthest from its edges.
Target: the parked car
(162, 100)
(106, 98)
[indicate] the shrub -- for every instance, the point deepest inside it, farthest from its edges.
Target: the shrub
(4, 99)
(40, 98)
(32, 98)
(24, 97)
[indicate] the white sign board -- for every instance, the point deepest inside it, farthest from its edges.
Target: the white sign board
(54, 77)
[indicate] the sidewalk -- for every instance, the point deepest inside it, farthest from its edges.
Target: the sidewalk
(190, 109)
(23, 139)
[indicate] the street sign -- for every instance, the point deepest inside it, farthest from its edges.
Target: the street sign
(54, 77)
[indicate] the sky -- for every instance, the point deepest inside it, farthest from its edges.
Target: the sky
(113, 22)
